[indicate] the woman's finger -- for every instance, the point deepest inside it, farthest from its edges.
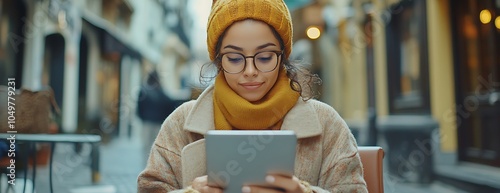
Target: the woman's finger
(209, 189)
(258, 189)
(290, 184)
(199, 183)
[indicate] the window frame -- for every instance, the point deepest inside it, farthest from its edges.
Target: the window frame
(419, 103)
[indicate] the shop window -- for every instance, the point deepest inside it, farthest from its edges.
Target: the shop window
(407, 60)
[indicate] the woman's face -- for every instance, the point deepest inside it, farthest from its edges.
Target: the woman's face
(247, 38)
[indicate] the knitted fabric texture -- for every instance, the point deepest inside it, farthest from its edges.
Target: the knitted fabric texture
(226, 12)
(233, 111)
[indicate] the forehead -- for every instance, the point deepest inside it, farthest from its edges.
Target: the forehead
(249, 34)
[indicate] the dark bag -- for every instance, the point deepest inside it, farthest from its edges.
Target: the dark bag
(33, 110)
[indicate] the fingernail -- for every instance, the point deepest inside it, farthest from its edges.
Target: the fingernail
(245, 189)
(270, 179)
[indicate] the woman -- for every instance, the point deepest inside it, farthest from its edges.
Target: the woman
(256, 87)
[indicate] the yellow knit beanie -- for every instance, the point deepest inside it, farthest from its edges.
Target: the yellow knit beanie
(226, 12)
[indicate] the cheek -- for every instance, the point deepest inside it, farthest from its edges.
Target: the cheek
(231, 80)
(274, 77)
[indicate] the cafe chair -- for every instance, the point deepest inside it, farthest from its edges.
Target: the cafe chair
(372, 160)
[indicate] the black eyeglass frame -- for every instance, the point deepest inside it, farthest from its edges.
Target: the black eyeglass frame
(278, 55)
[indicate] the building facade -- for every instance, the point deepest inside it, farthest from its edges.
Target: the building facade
(422, 79)
(93, 54)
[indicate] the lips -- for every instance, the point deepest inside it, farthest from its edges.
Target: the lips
(251, 85)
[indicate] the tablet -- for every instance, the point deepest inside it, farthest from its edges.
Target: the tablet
(237, 158)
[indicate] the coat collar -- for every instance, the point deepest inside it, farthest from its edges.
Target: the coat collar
(302, 118)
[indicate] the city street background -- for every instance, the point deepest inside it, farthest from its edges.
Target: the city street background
(420, 78)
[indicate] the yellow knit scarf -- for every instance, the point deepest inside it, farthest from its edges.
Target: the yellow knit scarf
(231, 111)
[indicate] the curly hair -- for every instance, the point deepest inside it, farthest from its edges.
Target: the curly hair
(301, 78)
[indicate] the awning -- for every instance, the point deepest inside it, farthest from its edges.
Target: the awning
(111, 40)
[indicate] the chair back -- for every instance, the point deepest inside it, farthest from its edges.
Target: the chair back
(372, 160)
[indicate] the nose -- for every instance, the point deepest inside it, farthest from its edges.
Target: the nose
(250, 69)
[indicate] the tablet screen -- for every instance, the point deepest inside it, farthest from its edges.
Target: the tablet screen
(237, 158)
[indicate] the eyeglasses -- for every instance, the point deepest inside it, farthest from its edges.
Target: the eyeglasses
(234, 63)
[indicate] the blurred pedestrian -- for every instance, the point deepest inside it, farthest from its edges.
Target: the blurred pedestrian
(152, 108)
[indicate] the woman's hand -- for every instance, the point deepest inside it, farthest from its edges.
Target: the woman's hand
(286, 184)
(201, 185)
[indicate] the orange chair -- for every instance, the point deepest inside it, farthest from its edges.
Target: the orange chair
(372, 159)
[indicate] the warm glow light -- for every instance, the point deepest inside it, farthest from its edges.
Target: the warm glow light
(497, 22)
(313, 32)
(485, 16)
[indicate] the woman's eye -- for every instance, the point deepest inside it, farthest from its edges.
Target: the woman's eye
(235, 60)
(264, 59)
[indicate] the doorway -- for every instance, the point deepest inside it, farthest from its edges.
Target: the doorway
(477, 63)
(12, 41)
(53, 67)
(82, 85)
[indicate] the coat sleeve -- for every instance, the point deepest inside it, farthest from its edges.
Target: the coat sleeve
(341, 170)
(163, 170)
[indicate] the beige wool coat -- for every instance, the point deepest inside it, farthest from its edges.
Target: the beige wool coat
(326, 156)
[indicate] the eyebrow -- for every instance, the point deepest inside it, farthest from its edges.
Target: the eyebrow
(241, 49)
